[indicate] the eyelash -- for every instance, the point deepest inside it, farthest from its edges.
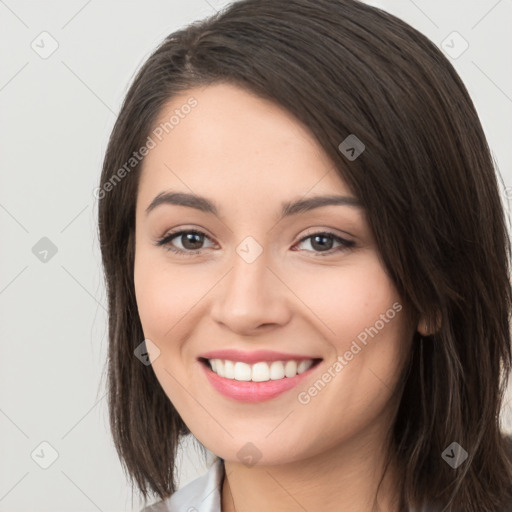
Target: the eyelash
(167, 239)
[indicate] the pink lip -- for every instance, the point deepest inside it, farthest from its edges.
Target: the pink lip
(248, 391)
(254, 357)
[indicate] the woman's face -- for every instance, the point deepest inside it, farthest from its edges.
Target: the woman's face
(299, 305)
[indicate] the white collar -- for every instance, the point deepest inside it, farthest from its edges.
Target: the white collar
(201, 495)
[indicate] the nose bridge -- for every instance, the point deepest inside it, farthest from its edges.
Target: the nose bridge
(251, 295)
(249, 279)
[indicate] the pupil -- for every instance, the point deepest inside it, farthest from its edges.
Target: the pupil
(322, 246)
(189, 237)
(195, 239)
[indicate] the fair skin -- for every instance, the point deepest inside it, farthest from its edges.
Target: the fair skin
(248, 156)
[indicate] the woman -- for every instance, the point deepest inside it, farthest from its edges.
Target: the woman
(307, 266)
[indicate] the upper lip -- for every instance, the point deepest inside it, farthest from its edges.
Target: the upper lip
(254, 356)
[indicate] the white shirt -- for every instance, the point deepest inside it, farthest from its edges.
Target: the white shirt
(201, 495)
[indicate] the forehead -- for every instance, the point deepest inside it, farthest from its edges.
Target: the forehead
(234, 143)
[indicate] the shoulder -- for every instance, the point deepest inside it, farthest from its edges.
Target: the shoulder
(201, 495)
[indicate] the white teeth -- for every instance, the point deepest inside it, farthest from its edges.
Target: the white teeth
(229, 369)
(303, 366)
(290, 369)
(259, 372)
(277, 370)
(242, 371)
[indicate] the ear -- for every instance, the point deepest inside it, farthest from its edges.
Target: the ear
(427, 330)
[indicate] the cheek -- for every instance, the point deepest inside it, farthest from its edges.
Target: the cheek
(347, 300)
(153, 292)
(166, 292)
(368, 337)
(363, 322)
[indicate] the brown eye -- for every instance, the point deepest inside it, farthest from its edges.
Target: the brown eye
(191, 242)
(323, 243)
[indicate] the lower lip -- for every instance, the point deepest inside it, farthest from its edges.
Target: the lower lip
(249, 391)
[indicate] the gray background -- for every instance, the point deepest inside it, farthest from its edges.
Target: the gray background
(56, 114)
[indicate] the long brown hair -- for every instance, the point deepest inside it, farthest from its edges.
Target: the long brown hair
(427, 181)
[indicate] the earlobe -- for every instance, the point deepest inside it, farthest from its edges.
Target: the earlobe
(427, 330)
(423, 328)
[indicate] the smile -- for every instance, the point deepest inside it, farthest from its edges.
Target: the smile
(259, 380)
(259, 372)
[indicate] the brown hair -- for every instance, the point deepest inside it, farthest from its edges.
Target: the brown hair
(427, 182)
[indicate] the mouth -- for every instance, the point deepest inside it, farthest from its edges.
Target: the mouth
(261, 371)
(261, 376)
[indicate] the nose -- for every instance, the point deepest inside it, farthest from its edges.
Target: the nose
(251, 297)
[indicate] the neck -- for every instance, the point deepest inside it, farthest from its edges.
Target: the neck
(345, 477)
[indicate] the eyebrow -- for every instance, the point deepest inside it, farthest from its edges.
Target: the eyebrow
(287, 208)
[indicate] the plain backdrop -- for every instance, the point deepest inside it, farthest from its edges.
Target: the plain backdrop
(65, 67)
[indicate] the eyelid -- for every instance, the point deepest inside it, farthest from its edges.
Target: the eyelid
(335, 232)
(310, 231)
(187, 229)
(167, 239)
(169, 236)
(345, 243)
(203, 231)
